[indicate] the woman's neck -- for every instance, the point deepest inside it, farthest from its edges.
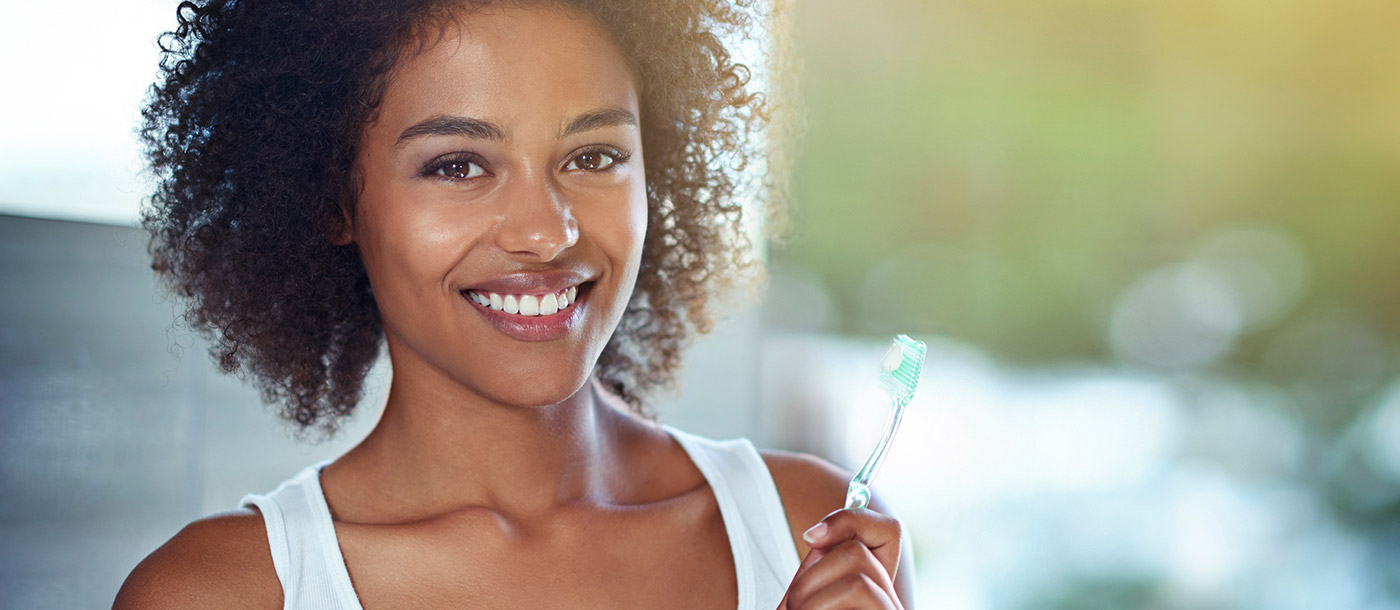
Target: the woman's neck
(429, 455)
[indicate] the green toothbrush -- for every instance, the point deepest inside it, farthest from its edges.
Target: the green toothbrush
(899, 375)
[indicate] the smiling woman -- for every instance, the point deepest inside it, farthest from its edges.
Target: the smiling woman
(466, 191)
(529, 204)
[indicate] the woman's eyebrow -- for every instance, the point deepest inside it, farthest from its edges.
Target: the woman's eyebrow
(597, 119)
(443, 125)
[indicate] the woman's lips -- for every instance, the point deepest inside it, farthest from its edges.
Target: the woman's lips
(525, 326)
(535, 282)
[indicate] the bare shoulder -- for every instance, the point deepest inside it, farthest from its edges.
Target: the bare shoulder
(220, 561)
(810, 487)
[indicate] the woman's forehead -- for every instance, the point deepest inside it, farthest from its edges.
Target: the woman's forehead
(511, 64)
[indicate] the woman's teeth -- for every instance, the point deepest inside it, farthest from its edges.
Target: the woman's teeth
(526, 304)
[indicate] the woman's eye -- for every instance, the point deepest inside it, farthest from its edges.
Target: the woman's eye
(459, 170)
(593, 160)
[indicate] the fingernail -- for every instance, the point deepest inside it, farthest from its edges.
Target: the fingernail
(815, 533)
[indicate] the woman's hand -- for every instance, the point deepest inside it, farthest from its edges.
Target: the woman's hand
(854, 556)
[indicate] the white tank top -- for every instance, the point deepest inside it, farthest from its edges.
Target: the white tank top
(307, 556)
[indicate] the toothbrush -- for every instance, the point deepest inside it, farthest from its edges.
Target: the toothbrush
(899, 375)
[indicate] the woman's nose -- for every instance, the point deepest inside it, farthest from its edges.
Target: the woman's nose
(538, 221)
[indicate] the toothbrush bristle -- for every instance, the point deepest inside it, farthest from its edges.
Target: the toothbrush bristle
(905, 378)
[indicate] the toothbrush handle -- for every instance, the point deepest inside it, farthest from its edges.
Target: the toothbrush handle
(858, 493)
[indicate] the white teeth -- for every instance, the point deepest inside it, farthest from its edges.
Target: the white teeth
(526, 304)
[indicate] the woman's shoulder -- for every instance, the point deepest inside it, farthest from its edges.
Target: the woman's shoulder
(810, 488)
(220, 561)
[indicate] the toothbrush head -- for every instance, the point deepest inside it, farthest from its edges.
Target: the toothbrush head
(899, 371)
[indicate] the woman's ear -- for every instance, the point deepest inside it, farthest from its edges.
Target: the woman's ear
(342, 230)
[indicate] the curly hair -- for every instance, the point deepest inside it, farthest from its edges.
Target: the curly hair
(252, 130)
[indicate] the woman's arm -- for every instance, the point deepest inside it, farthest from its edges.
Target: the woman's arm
(221, 561)
(811, 488)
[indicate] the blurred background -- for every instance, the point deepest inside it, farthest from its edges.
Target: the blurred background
(1149, 245)
(1152, 246)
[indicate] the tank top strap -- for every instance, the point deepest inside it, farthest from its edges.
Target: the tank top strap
(765, 557)
(305, 551)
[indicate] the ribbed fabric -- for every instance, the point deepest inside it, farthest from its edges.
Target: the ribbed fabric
(307, 556)
(305, 551)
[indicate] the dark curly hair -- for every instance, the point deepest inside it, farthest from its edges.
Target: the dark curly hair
(252, 131)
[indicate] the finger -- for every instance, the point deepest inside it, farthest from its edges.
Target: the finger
(880, 533)
(813, 556)
(850, 591)
(839, 563)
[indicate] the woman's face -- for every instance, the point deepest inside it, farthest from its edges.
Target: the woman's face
(504, 205)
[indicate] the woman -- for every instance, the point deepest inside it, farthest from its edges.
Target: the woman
(529, 202)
